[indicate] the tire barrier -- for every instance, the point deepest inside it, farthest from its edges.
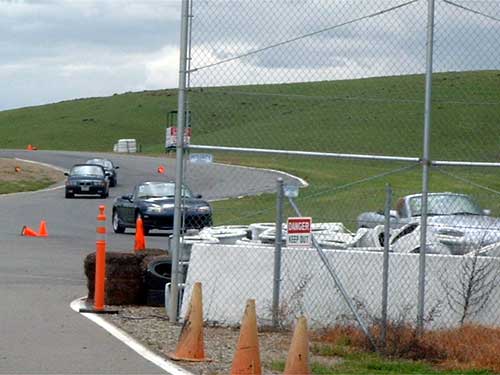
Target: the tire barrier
(227, 235)
(125, 273)
(187, 242)
(158, 274)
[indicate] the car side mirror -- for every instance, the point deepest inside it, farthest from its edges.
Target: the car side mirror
(394, 213)
(127, 197)
(107, 174)
(487, 212)
(117, 167)
(198, 196)
(66, 173)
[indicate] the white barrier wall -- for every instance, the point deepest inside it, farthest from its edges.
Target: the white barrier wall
(231, 274)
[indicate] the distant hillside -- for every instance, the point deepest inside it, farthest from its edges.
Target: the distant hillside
(375, 115)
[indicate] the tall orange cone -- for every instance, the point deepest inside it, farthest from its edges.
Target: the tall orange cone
(140, 241)
(28, 232)
(42, 232)
(247, 357)
(191, 346)
(297, 362)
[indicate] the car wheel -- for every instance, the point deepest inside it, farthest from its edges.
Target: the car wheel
(112, 182)
(69, 195)
(117, 227)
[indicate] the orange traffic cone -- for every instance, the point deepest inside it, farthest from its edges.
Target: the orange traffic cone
(191, 346)
(30, 147)
(161, 169)
(28, 232)
(247, 357)
(42, 232)
(297, 362)
(140, 241)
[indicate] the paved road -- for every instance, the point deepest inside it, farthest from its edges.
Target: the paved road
(39, 277)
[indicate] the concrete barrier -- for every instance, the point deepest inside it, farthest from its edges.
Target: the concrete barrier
(231, 274)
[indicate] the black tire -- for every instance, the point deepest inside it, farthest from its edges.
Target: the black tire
(158, 273)
(105, 194)
(112, 182)
(69, 195)
(155, 297)
(117, 227)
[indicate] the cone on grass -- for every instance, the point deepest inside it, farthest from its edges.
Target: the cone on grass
(247, 357)
(191, 345)
(140, 241)
(29, 147)
(28, 232)
(297, 362)
(42, 232)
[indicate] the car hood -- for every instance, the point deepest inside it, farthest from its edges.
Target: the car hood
(190, 202)
(478, 230)
(481, 222)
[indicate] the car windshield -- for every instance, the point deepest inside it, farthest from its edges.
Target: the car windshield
(445, 204)
(105, 163)
(160, 190)
(87, 170)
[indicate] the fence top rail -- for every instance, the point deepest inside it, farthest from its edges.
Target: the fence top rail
(343, 156)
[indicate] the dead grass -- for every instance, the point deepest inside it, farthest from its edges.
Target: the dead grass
(21, 176)
(470, 347)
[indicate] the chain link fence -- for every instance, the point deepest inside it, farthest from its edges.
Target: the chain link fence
(330, 97)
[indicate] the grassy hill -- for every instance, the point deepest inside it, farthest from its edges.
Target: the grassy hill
(381, 116)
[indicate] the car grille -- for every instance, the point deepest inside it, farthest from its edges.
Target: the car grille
(85, 183)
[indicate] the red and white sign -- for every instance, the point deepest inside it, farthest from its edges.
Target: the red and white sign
(171, 137)
(299, 232)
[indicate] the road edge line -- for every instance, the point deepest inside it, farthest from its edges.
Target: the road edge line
(128, 340)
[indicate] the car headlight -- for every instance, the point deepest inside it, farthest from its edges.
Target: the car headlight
(203, 209)
(153, 208)
(168, 206)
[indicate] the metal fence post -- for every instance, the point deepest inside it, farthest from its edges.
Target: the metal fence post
(385, 267)
(179, 156)
(277, 252)
(426, 164)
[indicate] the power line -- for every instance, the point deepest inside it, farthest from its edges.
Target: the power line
(471, 10)
(253, 52)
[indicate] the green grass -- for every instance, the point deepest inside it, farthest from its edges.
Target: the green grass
(373, 364)
(7, 187)
(383, 116)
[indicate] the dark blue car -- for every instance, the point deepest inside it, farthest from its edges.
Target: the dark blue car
(154, 203)
(87, 179)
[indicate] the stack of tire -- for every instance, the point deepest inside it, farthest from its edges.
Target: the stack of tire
(127, 277)
(157, 274)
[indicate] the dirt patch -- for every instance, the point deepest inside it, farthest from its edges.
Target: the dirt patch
(22, 176)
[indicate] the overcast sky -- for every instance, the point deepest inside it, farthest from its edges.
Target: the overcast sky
(53, 50)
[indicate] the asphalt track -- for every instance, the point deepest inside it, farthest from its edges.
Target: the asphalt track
(39, 277)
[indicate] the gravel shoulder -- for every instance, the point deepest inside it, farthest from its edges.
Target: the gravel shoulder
(149, 326)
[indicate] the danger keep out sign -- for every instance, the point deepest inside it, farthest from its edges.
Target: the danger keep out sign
(299, 232)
